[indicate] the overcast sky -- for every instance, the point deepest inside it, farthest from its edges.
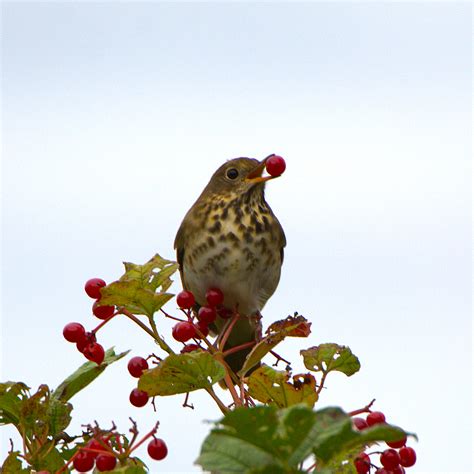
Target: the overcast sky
(115, 115)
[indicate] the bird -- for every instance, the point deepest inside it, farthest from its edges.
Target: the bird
(230, 239)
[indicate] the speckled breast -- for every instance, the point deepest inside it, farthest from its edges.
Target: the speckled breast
(237, 250)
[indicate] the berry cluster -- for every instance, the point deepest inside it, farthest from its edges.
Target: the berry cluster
(394, 460)
(136, 366)
(195, 326)
(104, 451)
(86, 342)
(198, 328)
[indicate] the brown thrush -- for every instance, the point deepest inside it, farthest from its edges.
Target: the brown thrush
(230, 239)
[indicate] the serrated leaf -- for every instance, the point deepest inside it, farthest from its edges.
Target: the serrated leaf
(84, 375)
(271, 386)
(337, 436)
(292, 326)
(136, 290)
(330, 357)
(259, 439)
(12, 464)
(182, 373)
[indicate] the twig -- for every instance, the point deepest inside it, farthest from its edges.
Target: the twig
(366, 409)
(213, 395)
(279, 358)
(239, 348)
(186, 404)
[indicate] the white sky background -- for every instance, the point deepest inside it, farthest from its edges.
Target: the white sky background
(114, 118)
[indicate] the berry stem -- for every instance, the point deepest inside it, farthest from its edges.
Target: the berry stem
(227, 331)
(171, 317)
(104, 322)
(366, 409)
(148, 435)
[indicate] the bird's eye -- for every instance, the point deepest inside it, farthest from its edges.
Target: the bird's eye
(232, 173)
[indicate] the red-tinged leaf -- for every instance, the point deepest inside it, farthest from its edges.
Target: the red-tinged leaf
(292, 326)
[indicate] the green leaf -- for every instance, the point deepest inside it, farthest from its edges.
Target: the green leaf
(136, 290)
(262, 438)
(84, 375)
(337, 437)
(12, 464)
(268, 385)
(259, 439)
(11, 396)
(47, 458)
(182, 373)
(59, 416)
(292, 326)
(330, 357)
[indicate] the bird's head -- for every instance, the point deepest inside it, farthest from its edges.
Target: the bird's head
(238, 176)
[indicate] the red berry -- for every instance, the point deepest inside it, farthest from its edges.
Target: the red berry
(207, 315)
(183, 331)
(93, 287)
(362, 463)
(74, 332)
(157, 449)
(102, 312)
(397, 444)
(94, 352)
(407, 456)
(275, 165)
(214, 297)
(203, 328)
(136, 366)
(390, 459)
(225, 313)
(105, 462)
(185, 300)
(138, 398)
(397, 470)
(360, 423)
(89, 338)
(190, 348)
(375, 418)
(83, 461)
(96, 445)
(382, 470)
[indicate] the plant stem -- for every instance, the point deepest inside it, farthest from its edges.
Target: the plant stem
(219, 402)
(239, 348)
(321, 385)
(228, 330)
(161, 342)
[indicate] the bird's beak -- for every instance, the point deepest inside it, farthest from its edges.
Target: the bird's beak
(255, 176)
